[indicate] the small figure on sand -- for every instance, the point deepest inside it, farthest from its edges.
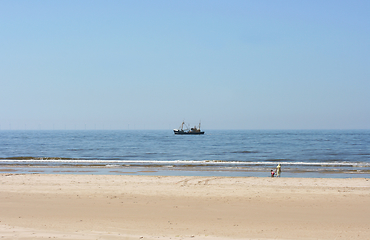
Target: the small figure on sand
(272, 173)
(278, 170)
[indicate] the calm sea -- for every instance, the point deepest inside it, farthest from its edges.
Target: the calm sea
(302, 153)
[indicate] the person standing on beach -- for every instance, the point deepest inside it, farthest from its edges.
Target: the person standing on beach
(278, 170)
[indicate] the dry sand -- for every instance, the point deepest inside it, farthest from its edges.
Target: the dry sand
(42, 206)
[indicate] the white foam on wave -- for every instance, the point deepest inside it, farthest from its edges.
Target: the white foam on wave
(110, 163)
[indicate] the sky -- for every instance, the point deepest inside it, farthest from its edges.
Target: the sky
(263, 64)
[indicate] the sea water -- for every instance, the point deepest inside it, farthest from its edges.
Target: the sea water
(302, 153)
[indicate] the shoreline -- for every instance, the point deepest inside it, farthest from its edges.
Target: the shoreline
(77, 206)
(182, 171)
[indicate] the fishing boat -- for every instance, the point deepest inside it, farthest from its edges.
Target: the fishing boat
(194, 130)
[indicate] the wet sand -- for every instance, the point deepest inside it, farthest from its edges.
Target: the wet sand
(72, 206)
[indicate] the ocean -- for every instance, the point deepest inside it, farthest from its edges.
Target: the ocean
(234, 153)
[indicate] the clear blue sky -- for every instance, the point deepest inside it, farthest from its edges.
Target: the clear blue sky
(152, 64)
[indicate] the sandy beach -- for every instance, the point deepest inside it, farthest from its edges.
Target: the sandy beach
(43, 206)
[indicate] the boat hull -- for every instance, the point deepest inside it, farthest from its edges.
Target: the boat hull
(187, 133)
